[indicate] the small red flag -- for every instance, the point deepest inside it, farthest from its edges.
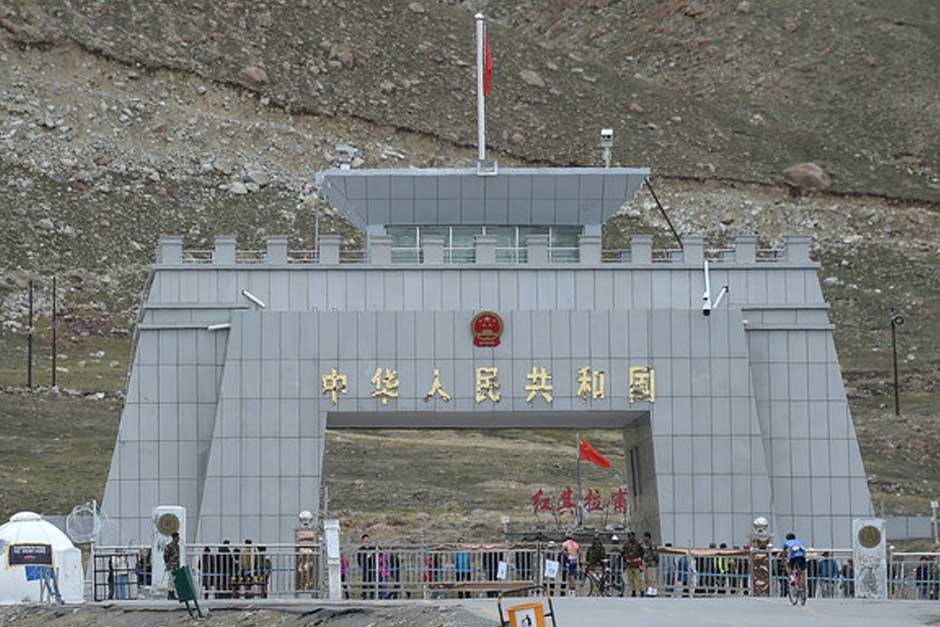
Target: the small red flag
(589, 453)
(487, 64)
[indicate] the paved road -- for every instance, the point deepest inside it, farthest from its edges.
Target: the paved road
(739, 612)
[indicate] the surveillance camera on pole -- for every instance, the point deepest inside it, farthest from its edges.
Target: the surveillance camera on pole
(607, 143)
(254, 299)
(707, 304)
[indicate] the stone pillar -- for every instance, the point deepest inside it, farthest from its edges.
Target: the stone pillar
(225, 246)
(433, 247)
(380, 249)
(870, 558)
(333, 559)
(745, 248)
(171, 249)
(641, 249)
(693, 249)
(485, 248)
(536, 249)
(797, 248)
(329, 249)
(276, 249)
(589, 249)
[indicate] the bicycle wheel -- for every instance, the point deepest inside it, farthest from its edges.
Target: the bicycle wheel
(803, 595)
(793, 592)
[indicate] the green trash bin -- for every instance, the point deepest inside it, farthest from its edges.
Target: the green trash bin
(186, 589)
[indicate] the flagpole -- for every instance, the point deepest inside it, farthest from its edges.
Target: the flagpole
(481, 111)
(580, 517)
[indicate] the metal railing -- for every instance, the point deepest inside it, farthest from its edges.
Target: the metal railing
(914, 576)
(250, 571)
(455, 571)
(467, 255)
(119, 572)
(558, 254)
(465, 570)
(511, 254)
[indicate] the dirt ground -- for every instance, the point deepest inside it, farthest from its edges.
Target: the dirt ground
(410, 615)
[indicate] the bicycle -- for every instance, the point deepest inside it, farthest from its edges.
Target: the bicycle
(604, 583)
(797, 587)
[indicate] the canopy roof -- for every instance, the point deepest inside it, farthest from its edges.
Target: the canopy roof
(514, 196)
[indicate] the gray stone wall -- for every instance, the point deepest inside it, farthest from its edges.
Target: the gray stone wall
(230, 422)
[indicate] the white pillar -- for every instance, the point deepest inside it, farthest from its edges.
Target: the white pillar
(481, 108)
(333, 559)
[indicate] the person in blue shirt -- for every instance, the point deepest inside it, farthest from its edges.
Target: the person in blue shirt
(795, 554)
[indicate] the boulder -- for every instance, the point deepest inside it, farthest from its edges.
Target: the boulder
(807, 176)
(532, 78)
(254, 75)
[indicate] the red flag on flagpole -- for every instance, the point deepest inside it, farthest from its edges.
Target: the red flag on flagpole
(589, 453)
(487, 63)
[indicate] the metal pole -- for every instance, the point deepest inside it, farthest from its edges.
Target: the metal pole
(53, 333)
(580, 516)
(316, 226)
(481, 109)
(894, 352)
(662, 210)
(29, 341)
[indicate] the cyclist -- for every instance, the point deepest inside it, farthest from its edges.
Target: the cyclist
(795, 555)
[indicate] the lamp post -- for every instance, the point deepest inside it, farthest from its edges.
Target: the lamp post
(896, 321)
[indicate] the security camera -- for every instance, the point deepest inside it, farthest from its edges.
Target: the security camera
(607, 137)
(257, 301)
(707, 309)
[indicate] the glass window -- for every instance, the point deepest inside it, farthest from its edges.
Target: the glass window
(525, 231)
(403, 236)
(565, 236)
(436, 231)
(463, 235)
(505, 235)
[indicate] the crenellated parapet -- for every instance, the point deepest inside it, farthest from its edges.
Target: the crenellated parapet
(536, 252)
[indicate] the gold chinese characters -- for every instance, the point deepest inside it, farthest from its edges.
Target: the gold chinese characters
(642, 384)
(591, 385)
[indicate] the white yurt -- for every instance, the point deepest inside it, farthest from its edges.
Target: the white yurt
(28, 542)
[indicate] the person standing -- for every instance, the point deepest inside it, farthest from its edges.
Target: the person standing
(596, 554)
(226, 566)
(650, 564)
(171, 560)
(632, 554)
(366, 560)
(462, 570)
(120, 567)
(571, 549)
(208, 572)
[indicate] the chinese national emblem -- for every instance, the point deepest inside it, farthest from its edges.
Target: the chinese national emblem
(487, 327)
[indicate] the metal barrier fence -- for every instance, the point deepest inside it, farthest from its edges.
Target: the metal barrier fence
(248, 571)
(829, 574)
(455, 571)
(914, 576)
(467, 570)
(119, 573)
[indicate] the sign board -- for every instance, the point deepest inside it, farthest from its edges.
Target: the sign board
(38, 573)
(29, 555)
(527, 615)
(501, 571)
(551, 569)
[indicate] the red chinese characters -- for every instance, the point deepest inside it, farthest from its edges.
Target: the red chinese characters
(541, 502)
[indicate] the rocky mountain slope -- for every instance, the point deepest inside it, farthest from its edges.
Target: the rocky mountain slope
(121, 121)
